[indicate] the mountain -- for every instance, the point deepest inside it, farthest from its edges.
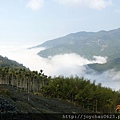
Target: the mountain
(111, 64)
(5, 62)
(87, 44)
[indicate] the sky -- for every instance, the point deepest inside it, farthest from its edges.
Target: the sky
(31, 22)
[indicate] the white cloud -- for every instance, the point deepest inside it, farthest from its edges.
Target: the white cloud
(114, 74)
(100, 59)
(109, 78)
(99, 4)
(35, 4)
(56, 65)
(94, 4)
(63, 64)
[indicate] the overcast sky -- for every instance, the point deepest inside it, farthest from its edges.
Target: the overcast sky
(31, 22)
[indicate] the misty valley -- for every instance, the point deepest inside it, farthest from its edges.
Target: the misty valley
(79, 71)
(92, 55)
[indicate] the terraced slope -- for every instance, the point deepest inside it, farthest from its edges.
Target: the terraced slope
(16, 103)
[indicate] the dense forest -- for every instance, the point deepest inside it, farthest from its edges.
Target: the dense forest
(73, 89)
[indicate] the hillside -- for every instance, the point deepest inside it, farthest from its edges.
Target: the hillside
(87, 44)
(25, 93)
(5, 62)
(14, 101)
(111, 64)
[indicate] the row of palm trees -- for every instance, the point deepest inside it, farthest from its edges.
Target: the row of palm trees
(29, 81)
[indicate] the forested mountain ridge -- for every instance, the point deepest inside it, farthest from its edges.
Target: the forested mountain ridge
(5, 62)
(87, 44)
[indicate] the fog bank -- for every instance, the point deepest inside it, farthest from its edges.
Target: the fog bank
(63, 64)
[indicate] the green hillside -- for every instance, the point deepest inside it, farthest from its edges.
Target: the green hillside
(5, 62)
(87, 44)
(25, 94)
(111, 64)
(15, 101)
(33, 92)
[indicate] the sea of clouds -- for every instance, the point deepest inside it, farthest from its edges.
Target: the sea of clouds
(63, 64)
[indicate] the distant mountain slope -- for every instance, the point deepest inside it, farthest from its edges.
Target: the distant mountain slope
(5, 62)
(111, 64)
(87, 44)
(68, 39)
